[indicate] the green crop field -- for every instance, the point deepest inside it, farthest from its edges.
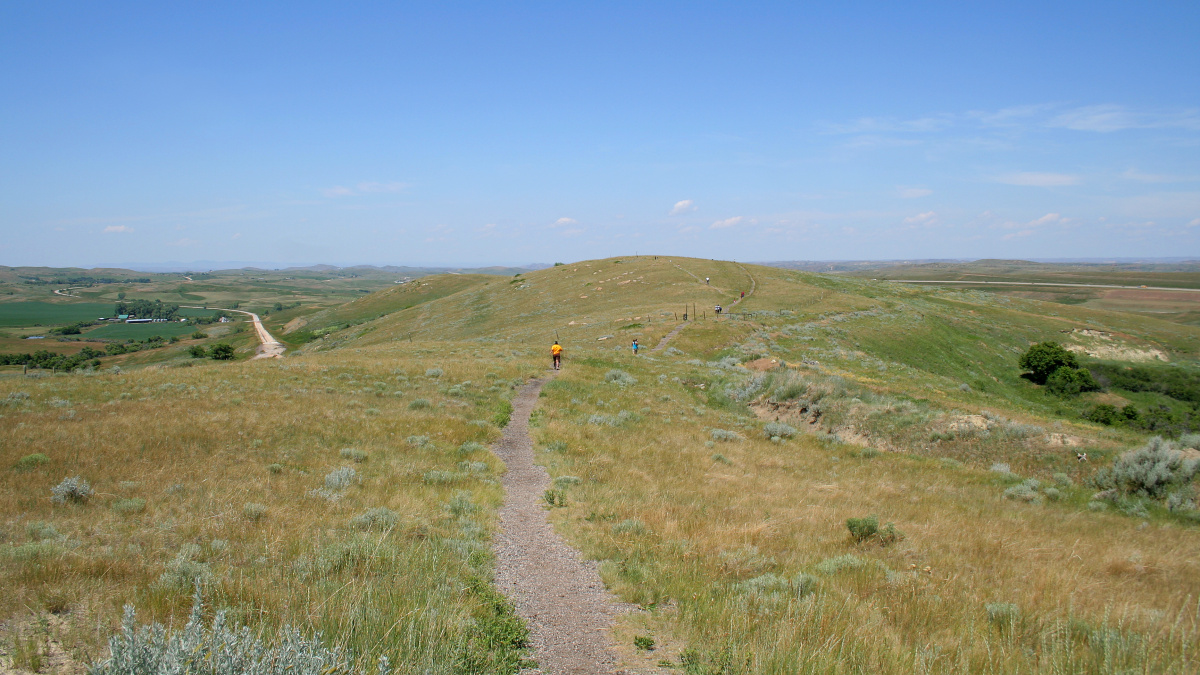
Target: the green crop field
(14, 314)
(139, 331)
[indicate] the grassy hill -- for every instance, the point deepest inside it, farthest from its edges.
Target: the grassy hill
(711, 480)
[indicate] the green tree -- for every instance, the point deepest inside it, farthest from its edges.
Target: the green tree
(1042, 359)
(197, 351)
(222, 351)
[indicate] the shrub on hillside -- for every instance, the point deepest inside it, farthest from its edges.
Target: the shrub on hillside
(221, 351)
(381, 518)
(1149, 471)
(1044, 358)
(353, 454)
(73, 490)
(772, 429)
(419, 404)
(30, 462)
(1068, 382)
(866, 529)
(725, 435)
(219, 648)
(619, 377)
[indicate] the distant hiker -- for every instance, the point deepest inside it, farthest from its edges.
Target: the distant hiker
(705, 281)
(718, 309)
(556, 354)
(635, 346)
(743, 294)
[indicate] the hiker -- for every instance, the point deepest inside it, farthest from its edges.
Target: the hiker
(718, 309)
(556, 354)
(743, 294)
(635, 346)
(705, 281)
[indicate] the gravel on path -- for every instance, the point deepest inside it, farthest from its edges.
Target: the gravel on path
(559, 594)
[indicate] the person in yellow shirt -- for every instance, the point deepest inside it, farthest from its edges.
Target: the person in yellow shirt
(556, 353)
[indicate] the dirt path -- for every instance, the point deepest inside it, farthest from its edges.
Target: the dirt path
(268, 348)
(675, 331)
(558, 593)
(667, 338)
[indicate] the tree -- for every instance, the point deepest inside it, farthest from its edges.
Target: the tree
(121, 295)
(1044, 358)
(197, 351)
(221, 351)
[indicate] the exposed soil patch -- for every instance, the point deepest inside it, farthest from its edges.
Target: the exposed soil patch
(559, 594)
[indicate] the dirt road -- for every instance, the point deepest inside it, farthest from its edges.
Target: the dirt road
(268, 348)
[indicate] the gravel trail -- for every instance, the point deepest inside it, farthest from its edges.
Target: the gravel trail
(559, 594)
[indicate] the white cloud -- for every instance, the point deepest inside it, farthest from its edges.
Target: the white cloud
(117, 228)
(382, 187)
(682, 207)
(1036, 179)
(1109, 118)
(1048, 219)
(1194, 223)
(1134, 174)
(565, 221)
(365, 188)
(913, 193)
(926, 218)
(728, 222)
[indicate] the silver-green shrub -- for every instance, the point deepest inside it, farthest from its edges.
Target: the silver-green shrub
(1149, 471)
(619, 377)
(381, 518)
(725, 435)
(780, 429)
(73, 490)
(218, 649)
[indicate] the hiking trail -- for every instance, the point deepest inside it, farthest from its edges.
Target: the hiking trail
(557, 592)
(675, 331)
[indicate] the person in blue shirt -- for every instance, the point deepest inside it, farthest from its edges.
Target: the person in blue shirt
(635, 346)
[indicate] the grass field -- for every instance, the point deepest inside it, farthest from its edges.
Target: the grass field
(51, 313)
(139, 331)
(729, 533)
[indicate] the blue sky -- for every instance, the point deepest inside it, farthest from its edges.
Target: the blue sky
(510, 133)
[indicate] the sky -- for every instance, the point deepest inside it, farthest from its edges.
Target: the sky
(468, 134)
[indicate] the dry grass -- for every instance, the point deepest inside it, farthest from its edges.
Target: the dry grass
(1094, 591)
(199, 445)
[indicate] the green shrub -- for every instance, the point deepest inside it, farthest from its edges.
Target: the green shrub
(862, 529)
(470, 447)
(644, 642)
(275, 468)
(1068, 382)
(197, 351)
(555, 498)
(419, 404)
(222, 351)
(725, 435)
(199, 335)
(1044, 359)
(30, 462)
(434, 373)
(842, 563)
(564, 482)
(1026, 491)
